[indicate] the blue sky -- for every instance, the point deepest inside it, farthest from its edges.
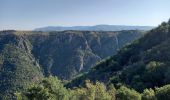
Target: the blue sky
(30, 14)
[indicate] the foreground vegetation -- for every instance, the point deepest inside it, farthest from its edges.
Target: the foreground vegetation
(52, 89)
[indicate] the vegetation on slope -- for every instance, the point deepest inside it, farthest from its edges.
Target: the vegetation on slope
(143, 64)
(17, 69)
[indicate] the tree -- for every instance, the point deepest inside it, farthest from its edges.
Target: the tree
(38, 93)
(163, 24)
(169, 21)
(49, 89)
(125, 93)
(163, 93)
(56, 88)
(148, 94)
(91, 91)
(112, 91)
(100, 92)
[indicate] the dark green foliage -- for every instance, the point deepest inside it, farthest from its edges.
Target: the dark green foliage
(49, 89)
(17, 67)
(141, 76)
(169, 21)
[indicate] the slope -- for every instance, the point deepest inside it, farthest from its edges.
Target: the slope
(18, 68)
(143, 64)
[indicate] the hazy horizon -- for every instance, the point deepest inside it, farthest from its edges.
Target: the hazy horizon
(31, 14)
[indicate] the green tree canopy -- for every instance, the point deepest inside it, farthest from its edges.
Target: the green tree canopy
(125, 93)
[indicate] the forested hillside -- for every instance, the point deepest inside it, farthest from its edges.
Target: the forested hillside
(18, 68)
(26, 56)
(142, 64)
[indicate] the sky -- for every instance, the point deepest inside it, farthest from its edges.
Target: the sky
(30, 14)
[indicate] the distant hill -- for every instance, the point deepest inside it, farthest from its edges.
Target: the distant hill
(95, 28)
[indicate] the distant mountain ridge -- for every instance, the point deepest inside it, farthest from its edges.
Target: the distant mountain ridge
(95, 28)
